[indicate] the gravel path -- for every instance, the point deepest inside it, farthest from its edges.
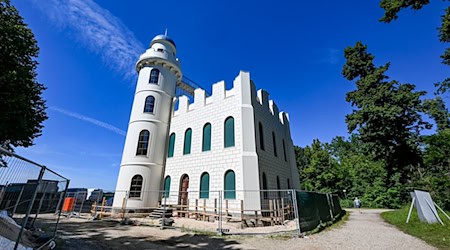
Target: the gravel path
(365, 230)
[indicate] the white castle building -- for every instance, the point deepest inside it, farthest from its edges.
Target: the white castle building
(235, 140)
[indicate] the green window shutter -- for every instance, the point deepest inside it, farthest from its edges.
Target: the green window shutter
(204, 186)
(229, 132)
(206, 137)
(171, 145)
(187, 141)
(230, 185)
(166, 186)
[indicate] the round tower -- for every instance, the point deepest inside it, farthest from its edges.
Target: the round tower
(144, 154)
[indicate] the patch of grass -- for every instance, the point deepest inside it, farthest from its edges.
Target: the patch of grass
(434, 234)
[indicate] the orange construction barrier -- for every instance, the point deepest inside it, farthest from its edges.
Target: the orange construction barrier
(68, 205)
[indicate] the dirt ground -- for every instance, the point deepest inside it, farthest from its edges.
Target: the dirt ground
(364, 230)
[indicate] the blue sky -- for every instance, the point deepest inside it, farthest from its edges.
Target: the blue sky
(293, 49)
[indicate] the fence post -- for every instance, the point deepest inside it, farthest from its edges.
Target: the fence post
(38, 210)
(196, 209)
(330, 205)
(242, 214)
(296, 211)
(163, 218)
(18, 201)
(60, 209)
(220, 214)
(30, 206)
(204, 209)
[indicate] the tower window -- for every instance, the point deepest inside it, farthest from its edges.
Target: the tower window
(274, 141)
(261, 136)
(171, 145)
(206, 144)
(264, 186)
(187, 141)
(154, 76)
(229, 132)
(204, 186)
(149, 104)
(136, 186)
(230, 185)
(284, 151)
(142, 147)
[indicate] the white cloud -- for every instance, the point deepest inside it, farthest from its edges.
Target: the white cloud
(90, 120)
(98, 30)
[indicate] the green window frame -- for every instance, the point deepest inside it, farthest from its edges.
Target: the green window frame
(206, 144)
(171, 145)
(229, 132)
(230, 185)
(187, 141)
(274, 141)
(204, 186)
(167, 181)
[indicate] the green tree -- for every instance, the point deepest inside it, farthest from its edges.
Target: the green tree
(436, 109)
(392, 7)
(387, 114)
(22, 109)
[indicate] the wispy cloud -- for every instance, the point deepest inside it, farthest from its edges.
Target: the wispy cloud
(90, 120)
(97, 29)
(329, 55)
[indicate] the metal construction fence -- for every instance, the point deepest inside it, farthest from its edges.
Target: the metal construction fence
(227, 211)
(31, 197)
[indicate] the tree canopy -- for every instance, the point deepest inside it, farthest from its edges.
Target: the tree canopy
(22, 108)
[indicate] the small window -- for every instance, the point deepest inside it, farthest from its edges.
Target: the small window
(284, 151)
(154, 76)
(264, 186)
(274, 141)
(171, 145)
(160, 50)
(261, 137)
(166, 186)
(149, 104)
(187, 141)
(278, 187)
(229, 132)
(206, 144)
(289, 183)
(142, 147)
(136, 186)
(230, 185)
(204, 186)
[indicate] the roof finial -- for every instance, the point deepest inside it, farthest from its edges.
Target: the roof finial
(165, 33)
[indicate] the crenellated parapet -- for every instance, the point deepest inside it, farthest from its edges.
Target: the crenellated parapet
(243, 88)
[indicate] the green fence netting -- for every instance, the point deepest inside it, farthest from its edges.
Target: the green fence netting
(316, 208)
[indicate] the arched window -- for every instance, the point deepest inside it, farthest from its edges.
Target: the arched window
(274, 141)
(289, 183)
(206, 144)
(261, 137)
(136, 186)
(187, 141)
(154, 76)
(142, 147)
(166, 186)
(229, 132)
(171, 145)
(284, 151)
(149, 104)
(204, 186)
(230, 185)
(264, 185)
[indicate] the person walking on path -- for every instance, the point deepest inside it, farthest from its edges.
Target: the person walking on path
(357, 204)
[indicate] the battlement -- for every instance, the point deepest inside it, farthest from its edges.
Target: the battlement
(243, 89)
